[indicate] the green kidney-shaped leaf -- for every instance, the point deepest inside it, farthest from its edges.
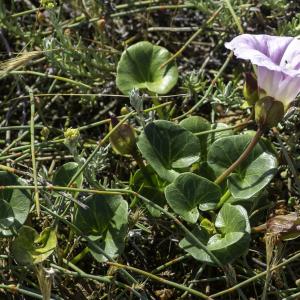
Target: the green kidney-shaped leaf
(167, 147)
(105, 220)
(197, 124)
(232, 218)
(189, 191)
(227, 245)
(64, 174)
(94, 220)
(140, 67)
(14, 205)
(29, 247)
(113, 240)
(254, 178)
(252, 175)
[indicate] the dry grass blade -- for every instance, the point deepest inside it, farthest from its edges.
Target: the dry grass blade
(19, 61)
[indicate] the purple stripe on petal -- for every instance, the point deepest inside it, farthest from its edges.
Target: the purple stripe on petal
(277, 61)
(262, 50)
(291, 57)
(278, 85)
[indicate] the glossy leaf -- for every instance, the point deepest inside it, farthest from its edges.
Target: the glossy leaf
(14, 205)
(105, 220)
(190, 191)
(253, 174)
(197, 124)
(232, 218)
(29, 247)
(231, 241)
(168, 147)
(140, 67)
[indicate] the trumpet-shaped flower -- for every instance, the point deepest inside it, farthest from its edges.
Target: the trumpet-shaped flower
(277, 61)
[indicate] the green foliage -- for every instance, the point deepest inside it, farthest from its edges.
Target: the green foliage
(29, 247)
(140, 67)
(291, 28)
(168, 147)
(196, 124)
(14, 205)
(151, 186)
(253, 174)
(190, 191)
(104, 221)
(70, 55)
(231, 240)
(64, 174)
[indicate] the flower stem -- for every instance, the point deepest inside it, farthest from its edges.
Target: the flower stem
(242, 158)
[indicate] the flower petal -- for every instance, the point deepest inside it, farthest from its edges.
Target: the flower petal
(291, 57)
(278, 85)
(262, 50)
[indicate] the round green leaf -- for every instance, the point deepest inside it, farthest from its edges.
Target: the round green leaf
(113, 241)
(94, 220)
(14, 205)
(105, 220)
(232, 218)
(254, 178)
(197, 124)
(64, 174)
(189, 191)
(140, 67)
(167, 147)
(229, 247)
(253, 174)
(229, 243)
(29, 247)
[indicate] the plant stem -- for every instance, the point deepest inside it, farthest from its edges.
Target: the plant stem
(79, 273)
(82, 168)
(68, 80)
(262, 274)
(224, 198)
(15, 289)
(208, 91)
(171, 216)
(97, 248)
(171, 262)
(139, 160)
(58, 188)
(80, 256)
(223, 129)
(235, 17)
(161, 280)
(159, 110)
(178, 53)
(35, 181)
(242, 158)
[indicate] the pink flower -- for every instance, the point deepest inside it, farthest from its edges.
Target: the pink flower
(277, 61)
